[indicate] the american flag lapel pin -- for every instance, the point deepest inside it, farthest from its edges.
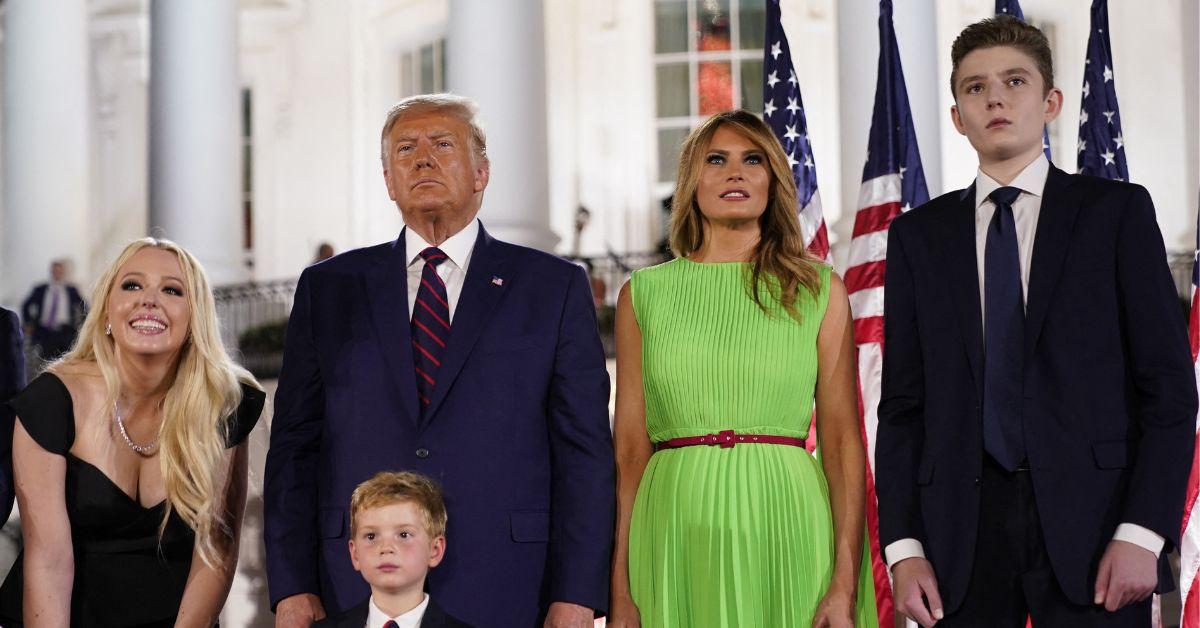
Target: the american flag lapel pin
(496, 281)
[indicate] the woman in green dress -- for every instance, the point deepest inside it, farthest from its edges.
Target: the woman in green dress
(724, 518)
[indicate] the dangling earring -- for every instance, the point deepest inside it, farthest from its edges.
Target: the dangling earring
(108, 329)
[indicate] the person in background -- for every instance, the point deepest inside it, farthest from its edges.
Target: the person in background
(53, 312)
(12, 380)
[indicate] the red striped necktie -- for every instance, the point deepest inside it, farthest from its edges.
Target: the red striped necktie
(391, 624)
(430, 325)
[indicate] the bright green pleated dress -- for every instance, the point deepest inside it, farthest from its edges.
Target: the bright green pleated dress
(740, 537)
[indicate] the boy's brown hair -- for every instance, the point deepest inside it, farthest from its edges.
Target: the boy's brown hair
(398, 487)
(1003, 30)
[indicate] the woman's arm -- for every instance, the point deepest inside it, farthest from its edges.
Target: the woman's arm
(49, 558)
(207, 587)
(633, 450)
(841, 444)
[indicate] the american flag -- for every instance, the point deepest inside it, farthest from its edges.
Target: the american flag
(1189, 551)
(1101, 144)
(783, 110)
(1013, 8)
(893, 182)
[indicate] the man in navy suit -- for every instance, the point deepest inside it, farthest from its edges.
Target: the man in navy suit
(12, 380)
(53, 312)
(1038, 405)
(452, 354)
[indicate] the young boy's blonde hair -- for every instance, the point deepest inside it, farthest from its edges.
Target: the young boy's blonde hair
(398, 487)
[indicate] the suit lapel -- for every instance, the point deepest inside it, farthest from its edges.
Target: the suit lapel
(963, 269)
(387, 290)
(480, 293)
(1056, 219)
(357, 616)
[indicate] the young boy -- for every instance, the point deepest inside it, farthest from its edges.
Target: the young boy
(397, 534)
(1038, 405)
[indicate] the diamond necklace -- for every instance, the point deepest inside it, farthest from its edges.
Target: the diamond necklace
(141, 450)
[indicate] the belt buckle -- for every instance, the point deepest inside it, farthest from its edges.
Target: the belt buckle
(725, 439)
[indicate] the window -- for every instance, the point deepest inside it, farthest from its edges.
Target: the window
(707, 59)
(247, 175)
(423, 69)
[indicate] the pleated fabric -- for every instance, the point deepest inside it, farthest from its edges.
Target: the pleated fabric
(742, 536)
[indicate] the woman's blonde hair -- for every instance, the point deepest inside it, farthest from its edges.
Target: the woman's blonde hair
(204, 390)
(780, 252)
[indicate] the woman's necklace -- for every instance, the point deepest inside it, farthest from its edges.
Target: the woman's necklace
(141, 450)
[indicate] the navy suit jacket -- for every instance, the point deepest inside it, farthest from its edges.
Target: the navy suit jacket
(12, 380)
(1109, 404)
(517, 432)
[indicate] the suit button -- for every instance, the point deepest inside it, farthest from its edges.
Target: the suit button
(422, 453)
(976, 482)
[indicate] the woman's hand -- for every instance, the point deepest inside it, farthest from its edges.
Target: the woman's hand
(623, 614)
(836, 609)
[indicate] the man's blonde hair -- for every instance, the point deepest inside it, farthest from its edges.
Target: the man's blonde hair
(454, 105)
(398, 487)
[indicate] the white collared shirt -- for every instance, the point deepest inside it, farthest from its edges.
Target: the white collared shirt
(1026, 210)
(62, 311)
(458, 249)
(412, 619)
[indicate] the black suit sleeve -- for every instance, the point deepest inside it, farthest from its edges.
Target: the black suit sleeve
(1160, 367)
(583, 498)
(290, 478)
(12, 378)
(901, 432)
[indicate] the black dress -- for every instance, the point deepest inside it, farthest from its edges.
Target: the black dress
(124, 576)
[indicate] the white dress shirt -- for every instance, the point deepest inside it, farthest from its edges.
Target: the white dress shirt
(453, 271)
(412, 619)
(1026, 209)
(62, 309)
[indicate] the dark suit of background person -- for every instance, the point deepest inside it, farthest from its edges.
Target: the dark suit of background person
(12, 380)
(53, 337)
(516, 429)
(1109, 400)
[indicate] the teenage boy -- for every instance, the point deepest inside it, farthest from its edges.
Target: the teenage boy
(397, 534)
(1038, 407)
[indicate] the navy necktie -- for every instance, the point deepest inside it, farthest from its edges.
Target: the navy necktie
(430, 325)
(1004, 335)
(391, 624)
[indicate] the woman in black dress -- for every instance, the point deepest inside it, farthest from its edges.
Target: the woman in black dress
(129, 458)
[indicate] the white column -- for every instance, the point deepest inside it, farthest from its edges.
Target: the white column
(47, 108)
(495, 55)
(858, 50)
(195, 132)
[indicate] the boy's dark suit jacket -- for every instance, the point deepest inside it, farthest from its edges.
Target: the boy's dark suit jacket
(1110, 396)
(356, 617)
(517, 432)
(12, 380)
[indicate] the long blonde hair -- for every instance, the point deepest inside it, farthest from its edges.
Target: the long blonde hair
(204, 390)
(780, 252)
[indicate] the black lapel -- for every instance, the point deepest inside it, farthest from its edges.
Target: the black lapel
(963, 270)
(1056, 220)
(387, 288)
(488, 277)
(357, 616)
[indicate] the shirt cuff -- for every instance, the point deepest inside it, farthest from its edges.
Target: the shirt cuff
(1140, 536)
(903, 549)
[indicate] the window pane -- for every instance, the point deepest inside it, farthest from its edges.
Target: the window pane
(752, 24)
(408, 85)
(716, 87)
(673, 92)
(713, 28)
(670, 26)
(427, 69)
(752, 85)
(670, 142)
